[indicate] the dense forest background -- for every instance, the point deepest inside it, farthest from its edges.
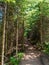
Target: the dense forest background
(22, 20)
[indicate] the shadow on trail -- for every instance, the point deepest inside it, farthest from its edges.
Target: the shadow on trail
(31, 56)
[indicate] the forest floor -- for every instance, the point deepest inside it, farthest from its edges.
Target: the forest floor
(32, 56)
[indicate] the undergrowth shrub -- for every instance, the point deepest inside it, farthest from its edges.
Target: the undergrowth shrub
(16, 61)
(46, 48)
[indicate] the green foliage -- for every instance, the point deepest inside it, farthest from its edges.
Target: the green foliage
(33, 13)
(16, 61)
(46, 47)
(32, 16)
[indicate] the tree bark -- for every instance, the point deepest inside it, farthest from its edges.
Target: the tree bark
(23, 34)
(17, 39)
(3, 43)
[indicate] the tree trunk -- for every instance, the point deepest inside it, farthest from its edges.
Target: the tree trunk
(23, 35)
(17, 39)
(3, 43)
(6, 36)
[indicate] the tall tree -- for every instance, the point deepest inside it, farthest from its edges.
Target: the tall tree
(3, 43)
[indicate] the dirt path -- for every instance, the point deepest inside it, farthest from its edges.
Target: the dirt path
(31, 57)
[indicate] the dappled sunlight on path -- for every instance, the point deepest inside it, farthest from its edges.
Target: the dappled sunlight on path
(31, 57)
